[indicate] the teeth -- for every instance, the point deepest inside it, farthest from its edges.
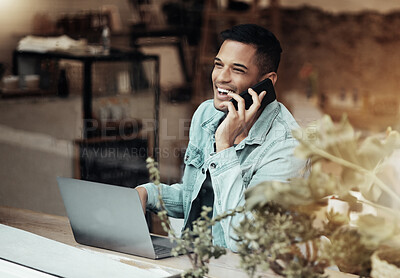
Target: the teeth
(224, 91)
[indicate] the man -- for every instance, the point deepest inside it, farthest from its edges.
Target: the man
(230, 151)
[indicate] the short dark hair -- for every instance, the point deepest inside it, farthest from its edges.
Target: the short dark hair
(268, 54)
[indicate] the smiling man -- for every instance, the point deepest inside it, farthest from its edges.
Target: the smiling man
(231, 150)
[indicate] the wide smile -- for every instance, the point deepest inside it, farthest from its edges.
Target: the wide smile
(223, 94)
(224, 91)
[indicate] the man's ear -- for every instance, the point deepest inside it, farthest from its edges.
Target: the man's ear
(271, 75)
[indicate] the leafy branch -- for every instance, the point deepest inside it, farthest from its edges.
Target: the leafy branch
(321, 153)
(287, 227)
(272, 238)
(196, 244)
(340, 145)
(348, 245)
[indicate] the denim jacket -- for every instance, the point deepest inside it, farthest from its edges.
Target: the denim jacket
(265, 154)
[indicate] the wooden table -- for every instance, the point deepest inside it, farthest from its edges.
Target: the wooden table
(57, 228)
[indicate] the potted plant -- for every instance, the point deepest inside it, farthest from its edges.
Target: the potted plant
(338, 215)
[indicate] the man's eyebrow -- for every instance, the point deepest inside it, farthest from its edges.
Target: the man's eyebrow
(240, 65)
(235, 64)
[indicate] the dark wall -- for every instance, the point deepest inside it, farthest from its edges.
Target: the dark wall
(349, 51)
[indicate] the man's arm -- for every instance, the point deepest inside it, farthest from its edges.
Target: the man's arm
(171, 194)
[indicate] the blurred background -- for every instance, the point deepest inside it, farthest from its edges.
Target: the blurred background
(338, 57)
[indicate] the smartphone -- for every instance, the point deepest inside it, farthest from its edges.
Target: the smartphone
(265, 85)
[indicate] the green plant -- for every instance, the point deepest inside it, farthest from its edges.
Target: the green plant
(197, 243)
(288, 217)
(289, 228)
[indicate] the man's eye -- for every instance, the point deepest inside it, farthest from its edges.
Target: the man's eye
(239, 70)
(218, 65)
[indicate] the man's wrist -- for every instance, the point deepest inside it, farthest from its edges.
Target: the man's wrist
(143, 197)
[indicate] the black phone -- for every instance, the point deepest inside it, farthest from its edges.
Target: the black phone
(265, 85)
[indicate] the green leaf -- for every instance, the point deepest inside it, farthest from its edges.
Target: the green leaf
(338, 140)
(373, 149)
(360, 161)
(296, 192)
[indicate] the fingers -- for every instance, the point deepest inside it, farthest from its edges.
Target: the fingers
(239, 99)
(228, 105)
(257, 99)
(231, 108)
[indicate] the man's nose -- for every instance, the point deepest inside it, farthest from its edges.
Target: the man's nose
(224, 75)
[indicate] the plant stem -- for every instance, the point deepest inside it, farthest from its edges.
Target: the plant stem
(372, 204)
(355, 167)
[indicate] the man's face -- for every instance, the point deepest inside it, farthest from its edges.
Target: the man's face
(234, 70)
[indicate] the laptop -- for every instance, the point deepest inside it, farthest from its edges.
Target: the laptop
(110, 217)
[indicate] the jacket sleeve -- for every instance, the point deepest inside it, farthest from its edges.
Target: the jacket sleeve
(278, 163)
(172, 196)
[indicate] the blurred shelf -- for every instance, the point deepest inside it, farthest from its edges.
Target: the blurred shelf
(25, 92)
(88, 60)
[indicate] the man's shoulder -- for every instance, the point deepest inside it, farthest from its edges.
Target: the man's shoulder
(205, 109)
(276, 118)
(206, 105)
(202, 117)
(286, 118)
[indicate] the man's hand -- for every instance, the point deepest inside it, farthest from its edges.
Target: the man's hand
(237, 123)
(143, 197)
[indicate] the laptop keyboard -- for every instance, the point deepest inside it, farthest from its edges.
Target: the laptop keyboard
(161, 250)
